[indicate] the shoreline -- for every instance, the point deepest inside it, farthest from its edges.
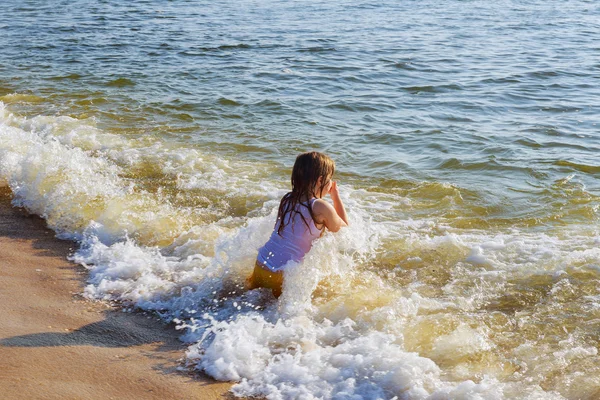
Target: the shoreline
(55, 344)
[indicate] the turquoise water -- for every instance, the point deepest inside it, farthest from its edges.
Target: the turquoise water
(160, 136)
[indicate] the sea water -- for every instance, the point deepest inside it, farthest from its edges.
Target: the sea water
(160, 137)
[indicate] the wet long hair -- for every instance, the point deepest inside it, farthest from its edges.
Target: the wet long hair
(305, 174)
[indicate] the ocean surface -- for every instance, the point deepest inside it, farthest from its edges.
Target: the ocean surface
(160, 136)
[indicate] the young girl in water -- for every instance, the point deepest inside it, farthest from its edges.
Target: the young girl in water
(302, 217)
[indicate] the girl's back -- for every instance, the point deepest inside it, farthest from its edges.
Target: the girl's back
(294, 240)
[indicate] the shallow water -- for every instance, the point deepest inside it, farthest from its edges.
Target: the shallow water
(161, 136)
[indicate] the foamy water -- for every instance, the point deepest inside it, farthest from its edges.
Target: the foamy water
(402, 304)
(160, 137)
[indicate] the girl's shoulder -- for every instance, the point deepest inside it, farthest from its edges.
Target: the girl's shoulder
(321, 207)
(315, 202)
(316, 206)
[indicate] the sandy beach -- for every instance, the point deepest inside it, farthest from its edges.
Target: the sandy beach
(54, 344)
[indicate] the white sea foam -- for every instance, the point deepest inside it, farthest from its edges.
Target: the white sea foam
(343, 327)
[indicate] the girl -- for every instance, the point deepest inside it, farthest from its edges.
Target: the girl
(302, 217)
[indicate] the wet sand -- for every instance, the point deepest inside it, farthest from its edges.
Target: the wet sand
(54, 344)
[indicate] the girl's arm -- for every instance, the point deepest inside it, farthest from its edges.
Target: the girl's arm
(337, 202)
(334, 217)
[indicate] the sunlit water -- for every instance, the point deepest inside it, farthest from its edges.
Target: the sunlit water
(160, 136)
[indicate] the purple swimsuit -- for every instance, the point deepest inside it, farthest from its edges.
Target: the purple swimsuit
(293, 243)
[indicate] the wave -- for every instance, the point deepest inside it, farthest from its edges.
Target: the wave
(590, 169)
(388, 308)
(120, 82)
